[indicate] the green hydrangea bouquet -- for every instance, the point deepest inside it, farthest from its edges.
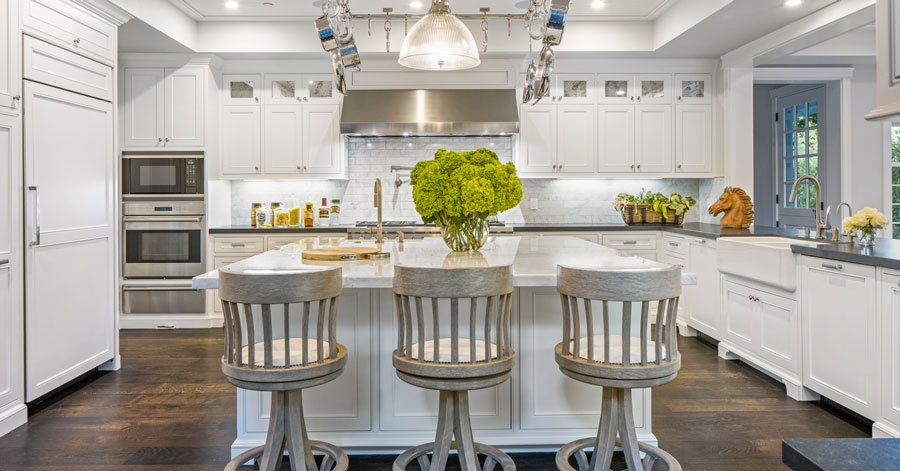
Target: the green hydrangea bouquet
(458, 191)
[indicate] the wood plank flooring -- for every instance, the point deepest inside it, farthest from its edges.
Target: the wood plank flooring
(170, 409)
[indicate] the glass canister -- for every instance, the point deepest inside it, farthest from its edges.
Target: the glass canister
(272, 208)
(263, 217)
(335, 212)
(253, 208)
(282, 217)
(309, 215)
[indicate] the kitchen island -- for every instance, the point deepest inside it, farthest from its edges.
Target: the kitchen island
(369, 409)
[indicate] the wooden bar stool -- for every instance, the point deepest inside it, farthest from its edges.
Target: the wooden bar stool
(636, 356)
(260, 305)
(471, 351)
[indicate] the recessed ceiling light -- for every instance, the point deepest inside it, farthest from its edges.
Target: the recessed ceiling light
(793, 3)
(231, 5)
(415, 5)
(598, 5)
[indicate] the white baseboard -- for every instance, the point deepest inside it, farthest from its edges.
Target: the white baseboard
(884, 430)
(12, 418)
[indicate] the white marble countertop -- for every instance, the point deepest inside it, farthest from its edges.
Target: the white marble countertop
(534, 260)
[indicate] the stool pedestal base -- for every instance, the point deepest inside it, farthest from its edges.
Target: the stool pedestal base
(454, 422)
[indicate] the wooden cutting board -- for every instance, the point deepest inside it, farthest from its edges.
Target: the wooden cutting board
(340, 253)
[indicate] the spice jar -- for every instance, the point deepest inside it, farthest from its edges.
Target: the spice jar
(253, 208)
(309, 217)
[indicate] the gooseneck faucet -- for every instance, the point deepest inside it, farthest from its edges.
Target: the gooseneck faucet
(379, 235)
(820, 224)
(849, 214)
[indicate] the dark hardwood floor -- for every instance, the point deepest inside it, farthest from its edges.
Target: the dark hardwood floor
(170, 409)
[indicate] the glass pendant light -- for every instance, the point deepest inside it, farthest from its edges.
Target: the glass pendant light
(439, 41)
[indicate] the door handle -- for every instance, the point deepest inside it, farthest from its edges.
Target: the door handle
(37, 216)
(162, 219)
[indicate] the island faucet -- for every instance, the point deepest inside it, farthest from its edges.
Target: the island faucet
(379, 235)
(820, 224)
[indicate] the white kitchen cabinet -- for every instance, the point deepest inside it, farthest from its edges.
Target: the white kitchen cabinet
(616, 139)
(70, 306)
(50, 64)
(10, 82)
(241, 149)
(145, 109)
(185, 107)
(762, 327)
(276, 242)
(219, 262)
(68, 25)
(701, 302)
(12, 395)
(283, 139)
(573, 89)
(693, 138)
(538, 138)
(322, 140)
(653, 138)
(319, 89)
(653, 89)
(575, 139)
(889, 326)
(635, 244)
(693, 89)
(616, 89)
(165, 107)
(841, 359)
(283, 89)
(243, 89)
(887, 32)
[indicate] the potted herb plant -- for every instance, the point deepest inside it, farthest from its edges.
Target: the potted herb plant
(458, 191)
(648, 207)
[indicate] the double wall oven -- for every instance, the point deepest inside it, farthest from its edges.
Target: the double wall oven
(164, 240)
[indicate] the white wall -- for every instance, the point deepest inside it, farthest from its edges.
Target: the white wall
(867, 144)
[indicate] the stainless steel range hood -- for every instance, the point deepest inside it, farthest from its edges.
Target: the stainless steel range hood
(430, 112)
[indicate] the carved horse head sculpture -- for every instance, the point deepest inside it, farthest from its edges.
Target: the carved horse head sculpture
(737, 206)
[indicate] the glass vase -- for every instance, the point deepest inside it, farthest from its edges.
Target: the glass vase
(866, 238)
(469, 235)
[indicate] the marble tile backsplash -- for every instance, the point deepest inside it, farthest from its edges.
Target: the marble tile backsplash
(559, 201)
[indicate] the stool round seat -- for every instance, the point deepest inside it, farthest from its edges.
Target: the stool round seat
(630, 342)
(453, 336)
(265, 350)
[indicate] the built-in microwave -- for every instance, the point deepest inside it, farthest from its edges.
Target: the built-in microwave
(162, 174)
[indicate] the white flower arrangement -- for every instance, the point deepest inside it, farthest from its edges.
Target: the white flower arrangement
(865, 223)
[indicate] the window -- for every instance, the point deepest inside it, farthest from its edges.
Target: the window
(895, 182)
(801, 152)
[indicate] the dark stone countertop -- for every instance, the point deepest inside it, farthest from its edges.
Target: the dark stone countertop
(841, 454)
(278, 230)
(885, 253)
(693, 229)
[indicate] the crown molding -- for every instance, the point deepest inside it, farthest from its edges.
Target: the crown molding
(188, 9)
(106, 10)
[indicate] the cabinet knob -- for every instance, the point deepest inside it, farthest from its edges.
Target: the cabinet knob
(159, 139)
(560, 168)
(632, 98)
(299, 167)
(632, 166)
(304, 168)
(17, 97)
(167, 139)
(639, 167)
(679, 165)
(639, 98)
(76, 41)
(679, 98)
(256, 99)
(257, 169)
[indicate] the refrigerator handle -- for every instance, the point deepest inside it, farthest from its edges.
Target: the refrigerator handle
(37, 215)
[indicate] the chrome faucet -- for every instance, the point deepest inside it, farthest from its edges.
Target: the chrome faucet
(849, 214)
(379, 235)
(820, 224)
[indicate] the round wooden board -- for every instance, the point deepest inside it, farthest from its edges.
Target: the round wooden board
(340, 253)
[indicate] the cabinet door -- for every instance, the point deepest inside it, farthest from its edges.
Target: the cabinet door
(574, 88)
(11, 335)
(220, 262)
(616, 89)
(840, 357)
(241, 143)
(740, 316)
(10, 95)
(693, 138)
(575, 139)
(693, 89)
(322, 139)
(144, 107)
(702, 300)
(615, 133)
(319, 89)
(283, 89)
(538, 136)
(68, 25)
(890, 336)
(779, 324)
(653, 89)
(653, 139)
(282, 143)
(242, 89)
(185, 107)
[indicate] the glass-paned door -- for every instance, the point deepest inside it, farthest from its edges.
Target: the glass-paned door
(799, 151)
(895, 182)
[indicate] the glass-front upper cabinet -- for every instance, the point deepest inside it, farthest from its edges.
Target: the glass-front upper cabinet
(616, 89)
(574, 88)
(653, 89)
(288, 89)
(320, 88)
(693, 89)
(242, 89)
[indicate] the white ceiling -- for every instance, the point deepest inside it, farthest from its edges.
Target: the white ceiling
(213, 10)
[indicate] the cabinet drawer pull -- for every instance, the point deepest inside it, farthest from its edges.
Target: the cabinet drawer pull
(629, 242)
(238, 244)
(4, 263)
(674, 244)
(833, 266)
(700, 241)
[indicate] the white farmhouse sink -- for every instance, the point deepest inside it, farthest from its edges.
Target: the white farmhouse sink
(766, 260)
